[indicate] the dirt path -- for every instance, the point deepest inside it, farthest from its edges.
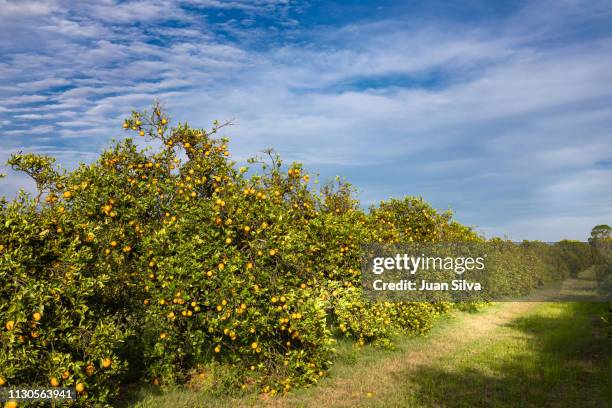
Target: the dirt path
(349, 390)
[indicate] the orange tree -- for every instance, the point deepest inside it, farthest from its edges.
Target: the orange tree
(161, 263)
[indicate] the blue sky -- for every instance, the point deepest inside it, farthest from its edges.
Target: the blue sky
(499, 110)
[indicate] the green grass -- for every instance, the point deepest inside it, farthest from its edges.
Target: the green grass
(557, 356)
(512, 354)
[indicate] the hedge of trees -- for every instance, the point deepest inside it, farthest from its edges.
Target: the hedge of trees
(171, 264)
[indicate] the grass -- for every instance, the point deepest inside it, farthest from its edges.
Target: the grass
(556, 356)
(511, 354)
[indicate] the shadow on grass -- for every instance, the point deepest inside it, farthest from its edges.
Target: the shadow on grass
(558, 357)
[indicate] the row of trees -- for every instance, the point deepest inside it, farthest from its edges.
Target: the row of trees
(175, 265)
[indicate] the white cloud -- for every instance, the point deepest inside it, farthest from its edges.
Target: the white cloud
(505, 114)
(16, 9)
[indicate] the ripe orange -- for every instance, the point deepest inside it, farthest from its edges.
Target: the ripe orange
(54, 382)
(80, 387)
(106, 362)
(2, 381)
(65, 375)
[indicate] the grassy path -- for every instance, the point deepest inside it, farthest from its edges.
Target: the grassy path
(384, 378)
(515, 354)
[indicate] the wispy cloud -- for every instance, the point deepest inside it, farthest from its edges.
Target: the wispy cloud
(504, 117)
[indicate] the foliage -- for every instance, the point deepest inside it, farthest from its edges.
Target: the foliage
(173, 264)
